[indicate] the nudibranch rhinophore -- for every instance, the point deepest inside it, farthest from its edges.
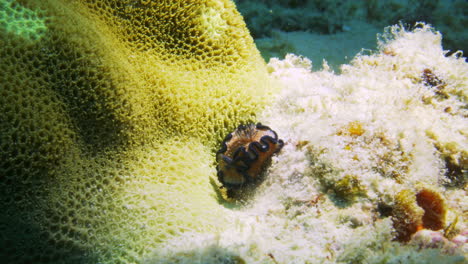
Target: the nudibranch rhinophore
(245, 153)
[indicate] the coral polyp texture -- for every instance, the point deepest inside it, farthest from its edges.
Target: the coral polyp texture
(245, 153)
(110, 115)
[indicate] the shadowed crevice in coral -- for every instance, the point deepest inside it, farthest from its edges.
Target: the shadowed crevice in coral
(74, 75)
(25, 240)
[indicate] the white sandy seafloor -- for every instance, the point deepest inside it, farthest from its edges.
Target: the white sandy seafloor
(377, 126)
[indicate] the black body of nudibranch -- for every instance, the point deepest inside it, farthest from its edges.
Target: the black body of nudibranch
(245, 153)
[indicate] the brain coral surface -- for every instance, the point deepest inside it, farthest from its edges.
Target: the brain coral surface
(111, 111)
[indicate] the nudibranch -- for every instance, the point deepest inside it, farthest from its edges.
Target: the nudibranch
(245, 153)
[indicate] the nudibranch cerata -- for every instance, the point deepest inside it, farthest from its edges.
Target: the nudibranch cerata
(245, 153)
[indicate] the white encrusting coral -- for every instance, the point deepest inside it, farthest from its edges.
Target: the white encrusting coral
(392, 121)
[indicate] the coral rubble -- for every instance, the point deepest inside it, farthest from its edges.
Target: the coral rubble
(362, 177)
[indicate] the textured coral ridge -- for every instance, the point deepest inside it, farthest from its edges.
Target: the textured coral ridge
(373, 169)
(245, 153)
(110, 115)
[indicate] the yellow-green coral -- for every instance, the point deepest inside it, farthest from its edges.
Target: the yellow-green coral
(109, 122)
(21, 21)
(348, 187)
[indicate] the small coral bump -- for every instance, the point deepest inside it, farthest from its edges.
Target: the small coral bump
(413, 212)
(245, 153)
(425, 238)
(348, 188)
(353, 129)
(430, 79)
(435, 239)
(406, 215)
(434, 208)
(461, 239)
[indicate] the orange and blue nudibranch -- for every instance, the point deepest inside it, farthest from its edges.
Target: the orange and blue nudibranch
(245, 153)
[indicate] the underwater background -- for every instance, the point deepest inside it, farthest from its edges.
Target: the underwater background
(338, 30)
